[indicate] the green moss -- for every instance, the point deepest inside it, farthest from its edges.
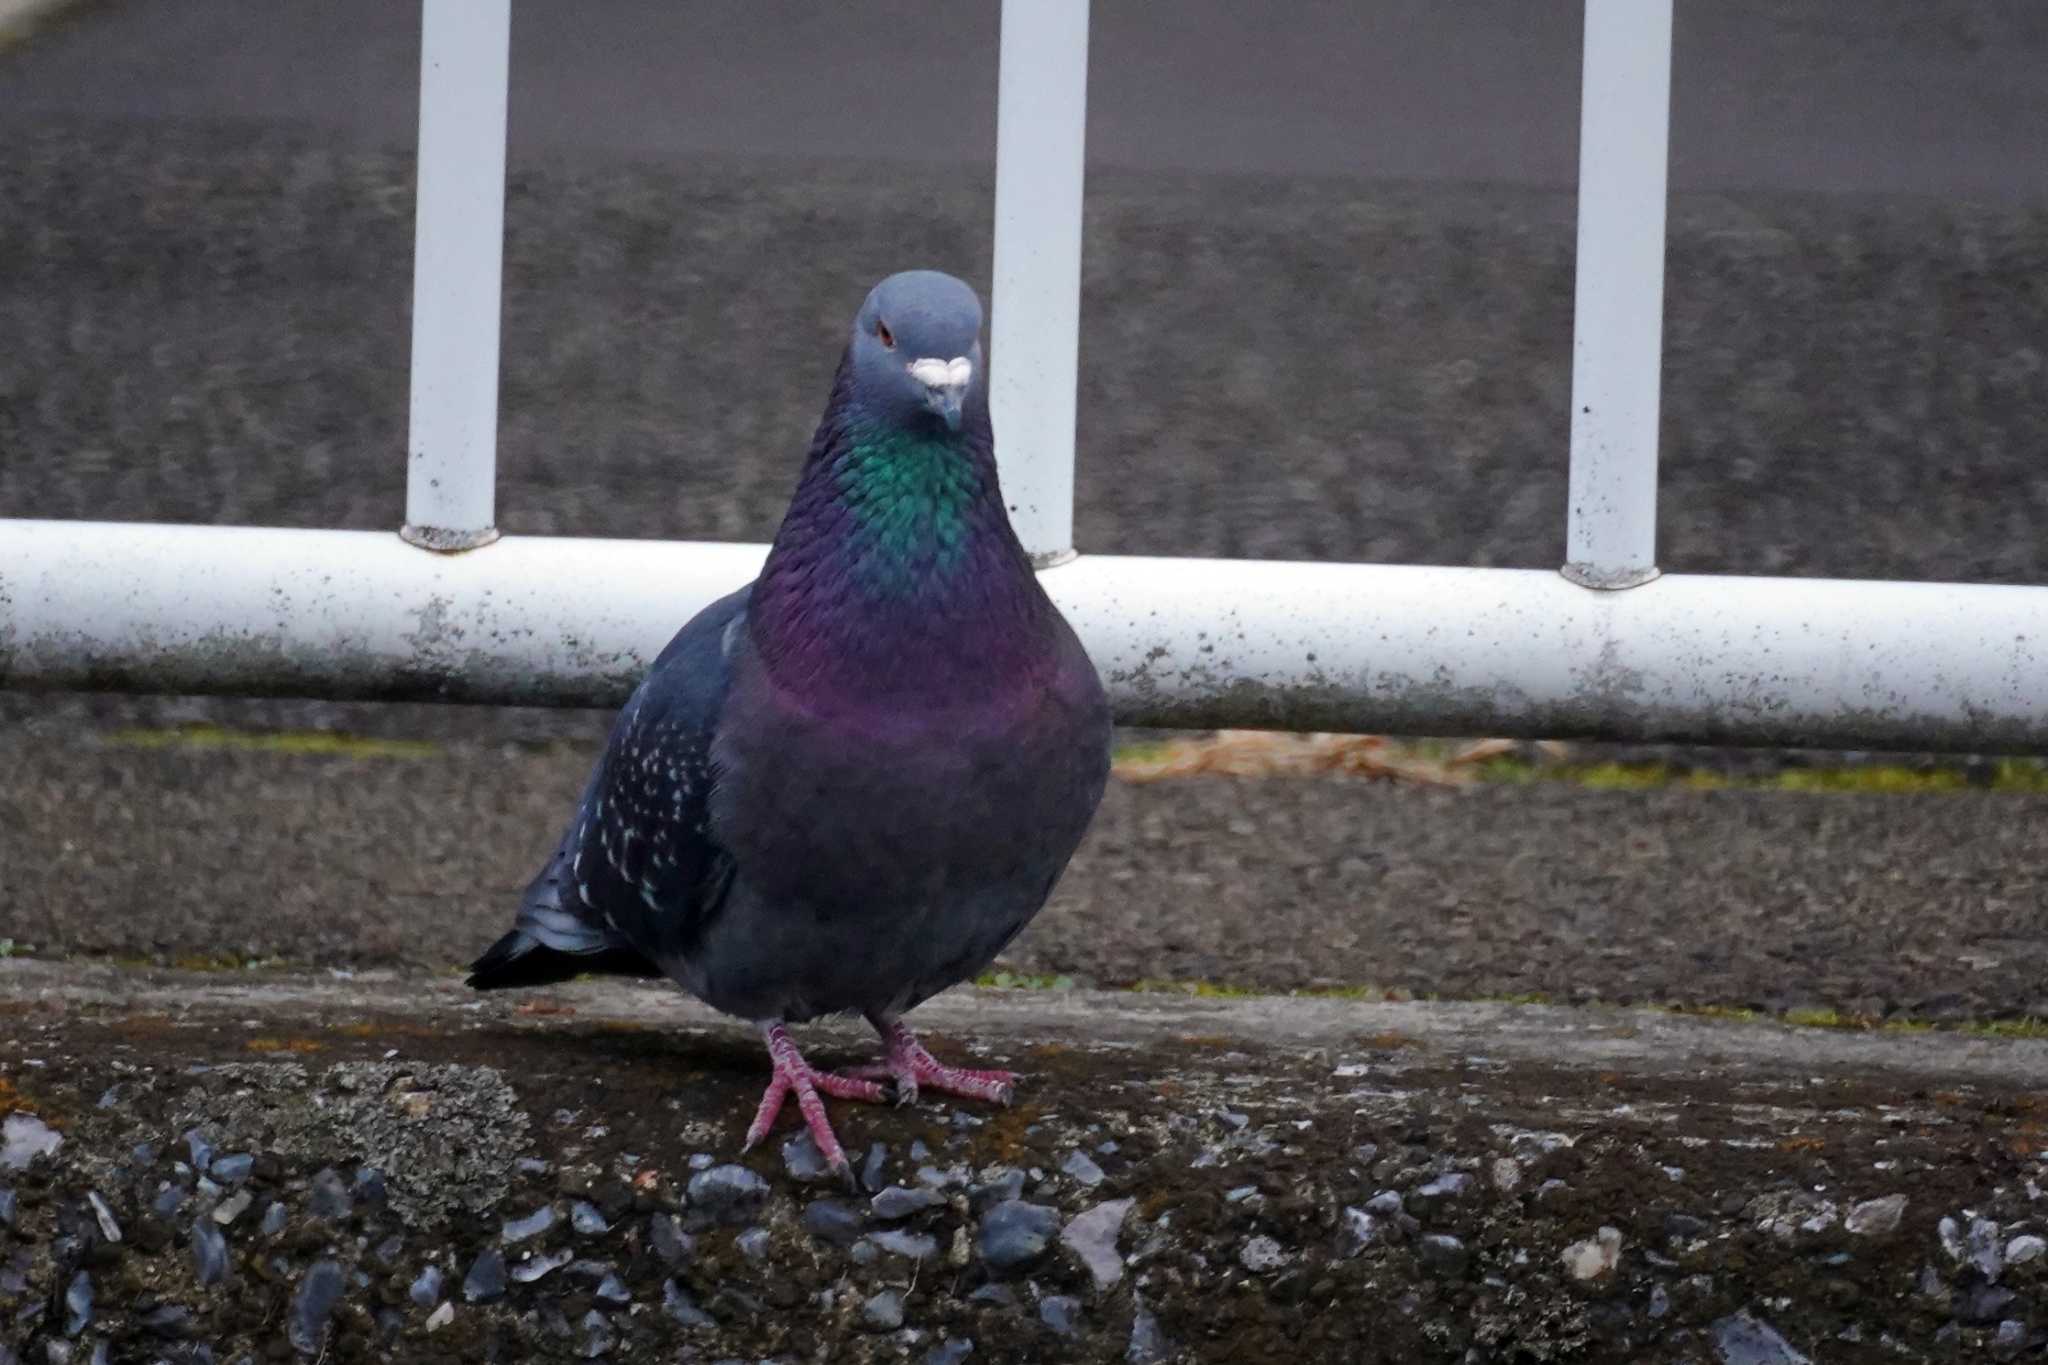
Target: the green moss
(1015, 981)
(2028, 775)
(2028, 1026)
(300, 742)
(1870, 779)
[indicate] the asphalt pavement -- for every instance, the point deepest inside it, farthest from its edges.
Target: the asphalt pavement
(1326, 314)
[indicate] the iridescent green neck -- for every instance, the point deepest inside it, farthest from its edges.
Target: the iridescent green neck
(910, 500)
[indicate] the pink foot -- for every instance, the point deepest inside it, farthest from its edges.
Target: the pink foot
(793, 1073)
(910, 1066)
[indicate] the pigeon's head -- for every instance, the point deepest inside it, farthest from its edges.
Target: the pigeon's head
(916, 350)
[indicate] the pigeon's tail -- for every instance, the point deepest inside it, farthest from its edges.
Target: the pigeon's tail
(550, 942)
(519, 959)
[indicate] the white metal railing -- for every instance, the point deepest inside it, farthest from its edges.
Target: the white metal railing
(1607, 647)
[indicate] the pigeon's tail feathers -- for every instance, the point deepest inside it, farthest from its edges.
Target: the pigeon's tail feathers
(519, 959)
(552, 943)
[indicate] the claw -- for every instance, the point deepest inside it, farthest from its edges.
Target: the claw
(910, 1066)
(793, 1074)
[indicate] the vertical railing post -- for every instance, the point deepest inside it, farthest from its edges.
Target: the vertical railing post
(458, 276)
(1041, 124)
(1618, 320)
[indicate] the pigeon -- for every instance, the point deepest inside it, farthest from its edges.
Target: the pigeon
(848, 785)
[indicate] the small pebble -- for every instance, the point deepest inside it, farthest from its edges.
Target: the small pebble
(598, 1337)
(729, 1194)
(802, 1159)
(10, 1207)
(440, 1317)
(832, 1220)
(274, 1219)
(612, 1289)
(588, 1219)
(485, 1282)
(1148, 1344)
(871, 1170)
(1015, 1233)
(1596, 1257)
(1002, 1183)
(540, 1264)
(532, 1225)
(678, 1304)
(1986, 1249)
(312, 1305)
(110, 1227)
(209, 1252)
(914, 1246)
(1091, 1235)
(1061, 1313)
(1261, 1254)
(370, 1186)
(389, 1250)
(23, 1138)
(2020, 1250)
(427, 1288)
(232, 1170)
(1001, 1295)
(1744, 1339)
(1357, 1230)
(1876, 1217)
(753, 1243)
(670, 1242)
(1385, 1204)
(1080, 1166)
(78, 1304)
(232, 1207)
(883, 1312)
(1430, 1198)
(900, 1202)
(200, 1148)
(951, 1351)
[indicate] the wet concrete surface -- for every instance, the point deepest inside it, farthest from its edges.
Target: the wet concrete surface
(1869, 904)
(1308, 1180)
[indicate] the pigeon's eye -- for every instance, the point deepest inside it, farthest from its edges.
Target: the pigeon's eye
(882, 331)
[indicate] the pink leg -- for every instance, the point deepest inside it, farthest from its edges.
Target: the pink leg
(792, 1072)
(906, 1062)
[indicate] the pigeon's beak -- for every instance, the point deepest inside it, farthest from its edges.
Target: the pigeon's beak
(945, 385)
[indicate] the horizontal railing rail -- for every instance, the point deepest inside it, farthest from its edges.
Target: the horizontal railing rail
(444, 609)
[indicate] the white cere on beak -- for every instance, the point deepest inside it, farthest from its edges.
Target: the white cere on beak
(942, 374)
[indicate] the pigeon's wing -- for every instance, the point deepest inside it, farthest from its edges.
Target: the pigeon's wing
(637, 873)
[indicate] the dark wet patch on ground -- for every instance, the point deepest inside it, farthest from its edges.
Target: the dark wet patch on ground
(1372, 1196)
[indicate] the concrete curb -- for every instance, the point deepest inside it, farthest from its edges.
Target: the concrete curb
(1636, 1042)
